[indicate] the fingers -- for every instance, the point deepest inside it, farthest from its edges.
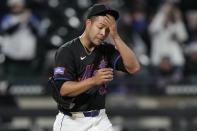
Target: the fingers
(106, 69)
(107, 74)
(106, 22)
(111, 23)
(108, 77)
(104, 75)
(109, 20)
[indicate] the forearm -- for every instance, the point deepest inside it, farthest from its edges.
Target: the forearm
(72, 88)
(129, 59)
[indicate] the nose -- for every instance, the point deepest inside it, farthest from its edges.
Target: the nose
(103, 32)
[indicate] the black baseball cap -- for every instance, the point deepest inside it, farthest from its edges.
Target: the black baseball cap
(101, 10)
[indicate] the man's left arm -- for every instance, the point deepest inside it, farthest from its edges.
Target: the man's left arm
(130, 61)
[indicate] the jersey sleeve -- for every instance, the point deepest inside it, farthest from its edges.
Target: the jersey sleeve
(64, 69)
(115, 59)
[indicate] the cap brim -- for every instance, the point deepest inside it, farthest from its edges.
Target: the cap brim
(113, 13)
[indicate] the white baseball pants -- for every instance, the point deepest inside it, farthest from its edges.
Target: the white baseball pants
(98, 123)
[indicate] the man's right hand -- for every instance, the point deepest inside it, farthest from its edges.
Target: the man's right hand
(103, 76)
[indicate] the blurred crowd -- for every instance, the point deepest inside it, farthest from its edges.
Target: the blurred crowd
(163, 34)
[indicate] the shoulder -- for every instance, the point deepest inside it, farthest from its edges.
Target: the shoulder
(68, 46)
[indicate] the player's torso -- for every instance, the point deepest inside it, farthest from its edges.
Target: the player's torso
(88, 64)
(85, 66)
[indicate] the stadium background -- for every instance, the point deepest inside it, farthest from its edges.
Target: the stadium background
(155, 99)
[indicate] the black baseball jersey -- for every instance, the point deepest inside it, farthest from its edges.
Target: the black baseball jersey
(73, 63)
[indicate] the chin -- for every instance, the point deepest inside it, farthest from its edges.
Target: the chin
(97, 43)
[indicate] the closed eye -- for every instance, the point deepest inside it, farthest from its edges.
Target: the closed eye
(100, 27)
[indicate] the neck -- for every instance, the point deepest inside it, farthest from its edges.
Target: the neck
(86, 42)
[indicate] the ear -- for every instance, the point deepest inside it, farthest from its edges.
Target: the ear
(88, 22)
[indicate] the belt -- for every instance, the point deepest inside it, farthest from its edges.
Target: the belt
(92, 113)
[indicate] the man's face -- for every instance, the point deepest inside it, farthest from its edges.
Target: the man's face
(97, 30)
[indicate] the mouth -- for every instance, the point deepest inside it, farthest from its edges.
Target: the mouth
(100, 39)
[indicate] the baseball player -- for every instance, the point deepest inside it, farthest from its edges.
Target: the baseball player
(84, 66)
